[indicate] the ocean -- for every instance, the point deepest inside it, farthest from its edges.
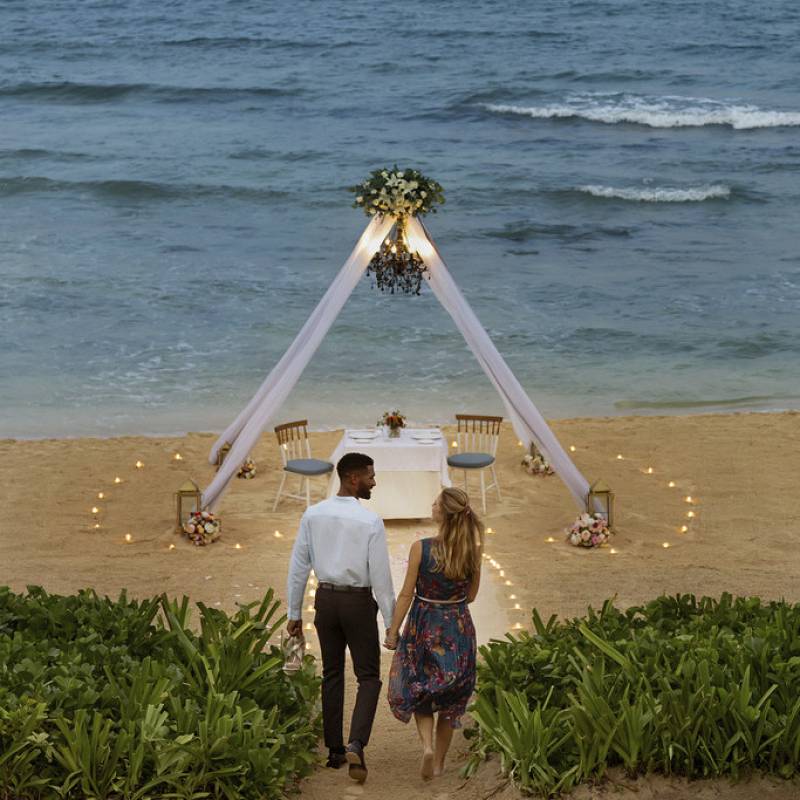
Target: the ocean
(623, 206)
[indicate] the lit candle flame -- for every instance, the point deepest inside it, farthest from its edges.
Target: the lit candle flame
(684, 528)
(649, 470)
(178, 457)
(665, 545)
(690, 514)
(128, 537)
(100, 495)
(238, 546)
(613, 551)
(671, 484)
(117, 479)
(139, 464)
(572, 448)
(278, 535)
(95, 510)
(619, 456)
(172, 547)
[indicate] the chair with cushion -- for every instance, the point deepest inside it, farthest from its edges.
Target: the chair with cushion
(296, 455)
(477, 438)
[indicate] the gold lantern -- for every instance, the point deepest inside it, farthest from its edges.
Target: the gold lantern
(221, 453)
(600, 500)
(187, 499)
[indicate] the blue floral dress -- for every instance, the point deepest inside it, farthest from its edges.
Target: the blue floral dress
(433, 669)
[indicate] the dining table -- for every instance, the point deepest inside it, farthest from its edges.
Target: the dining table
(410, 469)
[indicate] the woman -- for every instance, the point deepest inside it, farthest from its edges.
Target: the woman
(433, 669)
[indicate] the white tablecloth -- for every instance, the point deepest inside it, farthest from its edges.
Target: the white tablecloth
(409, 473)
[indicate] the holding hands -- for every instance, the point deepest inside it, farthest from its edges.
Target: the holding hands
(390, 641)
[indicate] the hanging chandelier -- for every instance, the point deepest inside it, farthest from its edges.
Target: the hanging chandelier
(395, 268)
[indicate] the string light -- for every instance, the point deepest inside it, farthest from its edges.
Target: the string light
(649, 470)
(517, 607)
(96, 525)
(490, 530)
(508, 583)
(502, 573)
(309, 626)
(453, 444)
(512, 597)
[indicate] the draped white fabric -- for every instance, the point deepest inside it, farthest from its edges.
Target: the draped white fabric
(244, 431)
(528, 423)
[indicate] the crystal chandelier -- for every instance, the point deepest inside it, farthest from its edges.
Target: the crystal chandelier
(394, 268)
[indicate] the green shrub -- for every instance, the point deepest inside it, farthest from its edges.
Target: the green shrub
(122, 699)
(680, 686)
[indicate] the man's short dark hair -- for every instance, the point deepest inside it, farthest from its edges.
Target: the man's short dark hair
(352, 462)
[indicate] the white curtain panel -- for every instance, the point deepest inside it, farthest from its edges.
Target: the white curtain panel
(243, 433)
(528, 423)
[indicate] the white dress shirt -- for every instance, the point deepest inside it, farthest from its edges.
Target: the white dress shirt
(345, 544)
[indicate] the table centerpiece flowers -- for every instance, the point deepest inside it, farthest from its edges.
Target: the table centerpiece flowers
(393, 421)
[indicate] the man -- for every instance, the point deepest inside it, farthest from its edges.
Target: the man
(345, 544)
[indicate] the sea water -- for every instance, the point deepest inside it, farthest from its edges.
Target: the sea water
(622, 181)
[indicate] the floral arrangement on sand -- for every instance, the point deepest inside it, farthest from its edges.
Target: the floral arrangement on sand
(399, 193)
(535, 463)
(589, 530)
(247, 470)
(202, 527)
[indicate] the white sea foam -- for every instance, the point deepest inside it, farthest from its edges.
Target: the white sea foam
(655, 112)
(660, 194)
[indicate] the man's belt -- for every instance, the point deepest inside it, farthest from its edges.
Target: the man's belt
(332, 587)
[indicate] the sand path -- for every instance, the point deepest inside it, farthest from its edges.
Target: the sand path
(392, 754)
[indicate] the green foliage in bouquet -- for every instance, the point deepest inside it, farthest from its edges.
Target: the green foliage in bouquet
(399, 193)
(679, 686)
(122, 699)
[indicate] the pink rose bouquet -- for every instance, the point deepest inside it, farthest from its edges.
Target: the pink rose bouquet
(589, 530)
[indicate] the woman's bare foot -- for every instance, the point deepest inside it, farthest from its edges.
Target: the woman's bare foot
(426, 767)
(438, 771)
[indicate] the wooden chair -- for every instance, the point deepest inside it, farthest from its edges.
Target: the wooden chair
(477, 438)
(296, 455)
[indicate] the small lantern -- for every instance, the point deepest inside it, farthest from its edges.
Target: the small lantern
(600, 500)
(187, 499)
(221, 453)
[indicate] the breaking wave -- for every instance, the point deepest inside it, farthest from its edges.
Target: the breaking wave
(660, 194)
(654, 112)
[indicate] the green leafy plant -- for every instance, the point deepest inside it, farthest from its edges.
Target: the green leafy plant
(699, 688)
(125, 699)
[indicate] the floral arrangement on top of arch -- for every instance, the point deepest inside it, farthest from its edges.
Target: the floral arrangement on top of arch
(400, 194)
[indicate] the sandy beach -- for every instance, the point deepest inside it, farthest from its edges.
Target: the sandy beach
(739, 470)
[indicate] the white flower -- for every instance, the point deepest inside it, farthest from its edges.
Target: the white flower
(384, 174)
(210, 527)
(423, 194)
(398, 174)
(574, 538)
(374, 191)
(360, 199)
